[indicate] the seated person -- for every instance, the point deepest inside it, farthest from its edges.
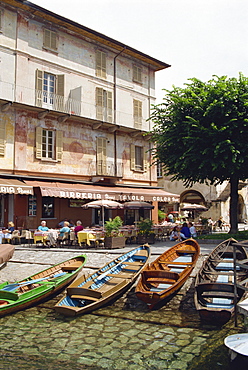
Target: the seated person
(78, 227)
(43, 226)
(175, 234)
(192, 230)
(64, 229)
(7, 233)
(185, 231)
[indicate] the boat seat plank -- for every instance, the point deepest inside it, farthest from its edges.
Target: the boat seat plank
(71, 267)
(135, 263)
(84, 292)
(218, 294)
(185, 251)
(160, 274)
(84, 297)
(121, 275)
(161, 280)
(175, 263)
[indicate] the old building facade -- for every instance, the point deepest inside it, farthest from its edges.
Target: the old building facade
(74, 109)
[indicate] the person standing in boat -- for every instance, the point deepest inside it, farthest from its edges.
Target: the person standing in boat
(185, 231)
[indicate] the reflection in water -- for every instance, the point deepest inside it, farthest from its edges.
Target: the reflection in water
(124, 336)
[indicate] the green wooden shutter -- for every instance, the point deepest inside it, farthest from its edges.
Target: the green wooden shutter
(145, 162)
(38, 142)
(38, 87)
(100, 64)
(60, 91)
(132, 157)
(99, 103)
(47, 37)
(109, 106)
(59, 145)
(2, 137)
(101, 156)
(53, 44)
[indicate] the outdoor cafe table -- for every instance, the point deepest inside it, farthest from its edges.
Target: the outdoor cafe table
(86, 236)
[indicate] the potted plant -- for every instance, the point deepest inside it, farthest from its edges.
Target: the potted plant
(113, 236)
(145, 233)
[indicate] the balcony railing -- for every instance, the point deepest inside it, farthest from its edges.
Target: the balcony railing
(46, 100)
(108, 168)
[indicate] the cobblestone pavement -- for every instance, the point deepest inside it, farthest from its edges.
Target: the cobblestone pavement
(125, 335)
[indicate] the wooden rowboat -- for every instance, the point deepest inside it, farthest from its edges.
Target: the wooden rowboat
(214, 285)
(6, 253)
(39, 287)
(105, 285)
(166, 275)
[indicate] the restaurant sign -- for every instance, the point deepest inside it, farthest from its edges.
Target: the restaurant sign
(116, 196)
(22, 190)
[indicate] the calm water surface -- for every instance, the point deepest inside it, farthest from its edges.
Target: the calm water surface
(125, 335)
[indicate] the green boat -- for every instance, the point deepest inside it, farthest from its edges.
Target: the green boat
(39, 287)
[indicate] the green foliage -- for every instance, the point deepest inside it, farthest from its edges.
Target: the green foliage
(161, 215)
(112, 227)
(145, 227)
(201, 131)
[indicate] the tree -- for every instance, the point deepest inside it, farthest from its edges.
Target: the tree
(201, 134)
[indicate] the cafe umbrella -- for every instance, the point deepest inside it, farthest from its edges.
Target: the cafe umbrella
(103, 203)
(194, 208)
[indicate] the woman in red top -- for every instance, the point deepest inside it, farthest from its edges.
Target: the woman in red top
(78, 227)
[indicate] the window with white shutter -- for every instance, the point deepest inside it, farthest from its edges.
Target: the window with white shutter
(49, 90)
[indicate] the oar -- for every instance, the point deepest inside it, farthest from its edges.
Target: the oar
(14, 286)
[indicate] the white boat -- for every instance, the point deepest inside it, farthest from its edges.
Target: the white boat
(238, 347)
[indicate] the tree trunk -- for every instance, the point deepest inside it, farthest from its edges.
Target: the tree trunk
(234, 205)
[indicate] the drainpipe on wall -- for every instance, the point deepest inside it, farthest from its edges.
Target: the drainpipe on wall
(115, 135)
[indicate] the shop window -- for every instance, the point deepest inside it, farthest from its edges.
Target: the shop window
(48, 144)
(32, 205)
(47, 207)
(100, 64)
(138, 158)
(50, 39)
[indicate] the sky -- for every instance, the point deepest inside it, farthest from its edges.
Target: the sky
(198, 38)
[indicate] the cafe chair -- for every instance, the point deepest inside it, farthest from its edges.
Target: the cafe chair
(63, 240)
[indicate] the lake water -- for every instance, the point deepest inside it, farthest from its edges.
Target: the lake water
(125, 335)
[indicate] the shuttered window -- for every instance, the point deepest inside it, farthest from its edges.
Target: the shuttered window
(137, 74)
(104, 105)
(1, 22)
(101, 158)
(49, 90)
(2, 137)
(100, 64)
(137, 114)
(138, 158)
(49, 144)
(50, 39)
